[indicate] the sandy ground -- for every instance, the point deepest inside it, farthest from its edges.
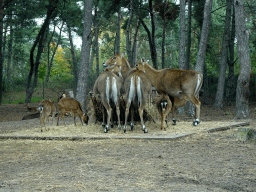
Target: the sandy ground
(218, 161)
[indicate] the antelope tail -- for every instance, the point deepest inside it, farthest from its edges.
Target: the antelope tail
(139, 93)
(107, 89)
(199, 84)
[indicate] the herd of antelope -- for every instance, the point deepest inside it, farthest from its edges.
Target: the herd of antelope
(119, 79)
(134, 85)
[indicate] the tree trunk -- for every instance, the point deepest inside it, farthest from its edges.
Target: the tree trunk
(164, 32)
(128, 39)
(1, 47)
(53, 54)
(242, 90)
(74, 61)
(135, 44)
(39, 40)
(118, 31)
(204, 36)
(151, 35)
(96, 32)
(223, 60)
(188, 36)
(85, 54)
(9, 55)
(182, 64)
(230, 86)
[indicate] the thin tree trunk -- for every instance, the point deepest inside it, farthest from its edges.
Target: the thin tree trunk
(74, 61)
(96, 31)
(164, 32)
(182, 64)
(135, 44)
(85, 54)
(53, 54)
(230, 86)
(243, 82)
(9, 55)
(204, 36)
(151, 35)
(223, 60)
(118, 32)
(39, 41)
(128, 39)
(188, 36)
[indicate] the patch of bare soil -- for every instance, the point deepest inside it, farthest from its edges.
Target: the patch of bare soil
(202, 162)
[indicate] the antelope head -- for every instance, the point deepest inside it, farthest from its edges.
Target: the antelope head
(114, 60)
(141, 64)
(114, 69)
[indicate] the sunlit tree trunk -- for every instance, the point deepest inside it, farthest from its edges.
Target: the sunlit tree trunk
(242, 90)
(85, 54)
(223, 60)
(128, 38)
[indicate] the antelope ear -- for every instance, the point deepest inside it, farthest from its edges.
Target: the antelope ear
(122, 54)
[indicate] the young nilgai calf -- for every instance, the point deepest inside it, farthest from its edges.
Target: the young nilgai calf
(73, 106)
(47, 109)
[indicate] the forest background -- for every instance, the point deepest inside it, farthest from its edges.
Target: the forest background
(38, 49)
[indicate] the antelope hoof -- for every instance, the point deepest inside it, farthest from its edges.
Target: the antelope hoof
(174, 122)
(125, 129)
(111, 125)
(196, 122)
(119, 127)
(131, 129)
(106, 130)
(145, 131)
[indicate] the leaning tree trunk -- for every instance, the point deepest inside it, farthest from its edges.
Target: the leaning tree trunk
(204, 36)
(85, 54)
(182, 64)
(39, 41)
(242, 90)
(135, 44)
(223, 60)
(151, 35)
(200, 62)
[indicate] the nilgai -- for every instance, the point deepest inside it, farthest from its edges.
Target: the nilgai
(182, 84)
(137, 88)
(107, 90)
(47, 109)
(73, 106)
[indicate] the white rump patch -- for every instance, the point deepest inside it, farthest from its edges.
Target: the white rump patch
(107, 88)
(132, 89)
(114, 90)
(139, 90)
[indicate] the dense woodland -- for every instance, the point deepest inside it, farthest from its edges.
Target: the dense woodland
(214, 37)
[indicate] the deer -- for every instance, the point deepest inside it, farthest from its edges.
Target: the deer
(47, 109)
(67, 104)
(136, 90)
(31, 109)
(107, 89)
(183, 85)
